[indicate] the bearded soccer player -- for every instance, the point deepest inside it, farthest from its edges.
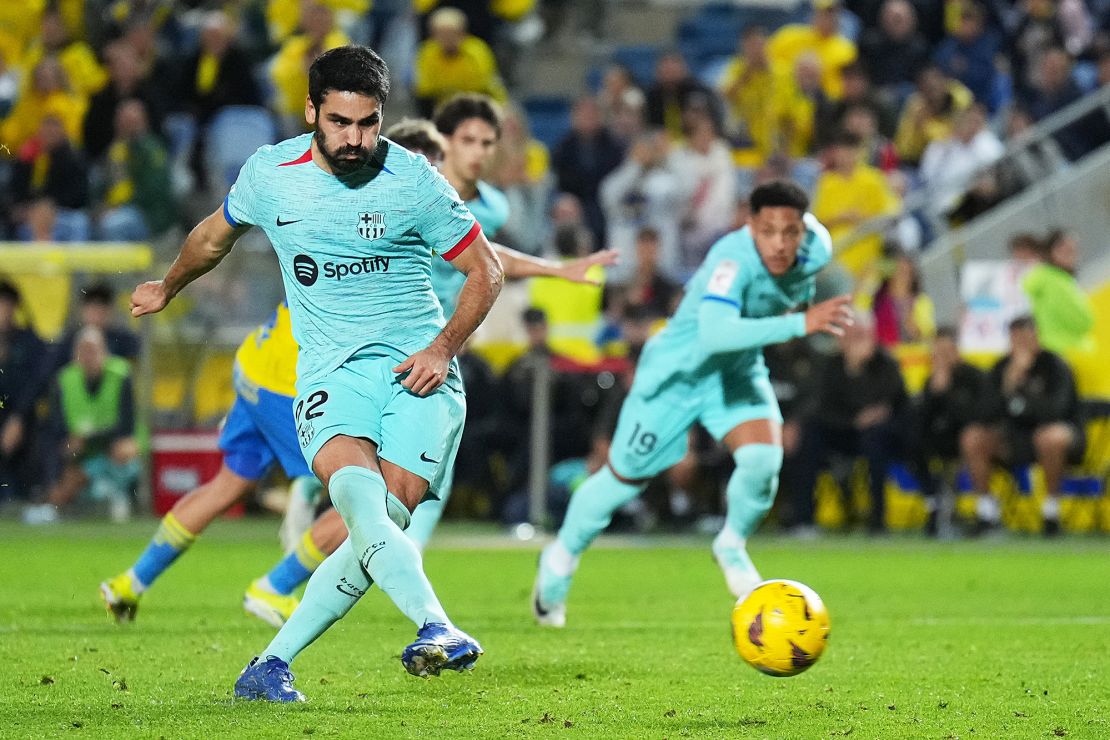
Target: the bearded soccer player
(706, 366)
(260, 430)
(356, 222)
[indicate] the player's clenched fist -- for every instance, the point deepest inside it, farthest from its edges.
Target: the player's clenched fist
(832, 316)
(149, 297)
(427, 370)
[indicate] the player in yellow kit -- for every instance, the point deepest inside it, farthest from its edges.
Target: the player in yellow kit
(258, 431)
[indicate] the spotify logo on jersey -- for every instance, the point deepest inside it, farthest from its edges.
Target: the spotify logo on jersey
(305, 270)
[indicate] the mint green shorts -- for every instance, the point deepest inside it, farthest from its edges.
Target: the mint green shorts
(363, 397)
(651, 433)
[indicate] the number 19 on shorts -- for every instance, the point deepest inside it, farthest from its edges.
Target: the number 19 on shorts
(642, 442)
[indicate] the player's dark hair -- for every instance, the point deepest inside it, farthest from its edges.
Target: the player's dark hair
(781, 193)
(418, 135)
(356, 69)
(463, 107)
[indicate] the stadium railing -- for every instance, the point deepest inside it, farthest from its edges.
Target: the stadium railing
(1065, 196)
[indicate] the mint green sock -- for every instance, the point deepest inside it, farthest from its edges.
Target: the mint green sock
(752, 487)
(592, 507)
(387, 555)
(749, 494)
(333, 589)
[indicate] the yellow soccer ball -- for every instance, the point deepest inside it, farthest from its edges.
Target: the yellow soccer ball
(781, 628)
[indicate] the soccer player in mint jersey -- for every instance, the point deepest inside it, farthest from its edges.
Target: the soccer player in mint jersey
(328, 531)
(356, 221)
(471, 125)
(260, 429)
(706, 366)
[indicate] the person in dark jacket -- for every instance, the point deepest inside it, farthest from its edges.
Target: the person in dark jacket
(948, 404)
(51, 187)
(22, 355)
(583, 158)
(126, 80)
(1031, 414)
(861, 408)
(218, 73)
(894, 50)
(674, 92)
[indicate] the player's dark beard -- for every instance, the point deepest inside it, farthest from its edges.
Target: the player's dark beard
(334, 159)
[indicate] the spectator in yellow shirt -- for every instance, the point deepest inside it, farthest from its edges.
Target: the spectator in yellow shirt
(794, 107)
(748, 88)
(48, 94)
(283, 17)
(83, 71)
(290, 68)
(929, 113)
(452, 61)
(848, 194)
(19, 24)
(822, 37)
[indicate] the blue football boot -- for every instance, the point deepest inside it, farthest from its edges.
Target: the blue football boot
(268, 680)
(439, 646)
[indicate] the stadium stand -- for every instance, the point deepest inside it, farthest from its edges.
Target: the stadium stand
(1047, 97)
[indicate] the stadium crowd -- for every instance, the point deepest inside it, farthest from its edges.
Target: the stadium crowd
(115, 118)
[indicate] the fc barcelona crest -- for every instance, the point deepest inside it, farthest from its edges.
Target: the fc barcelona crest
(371, 225)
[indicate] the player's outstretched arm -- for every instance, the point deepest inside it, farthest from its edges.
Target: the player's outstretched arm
(519, 265)
(721, 328)
(207, 244)
(427, 369)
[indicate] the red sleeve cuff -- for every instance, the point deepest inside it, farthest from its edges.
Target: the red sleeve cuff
(459, 248)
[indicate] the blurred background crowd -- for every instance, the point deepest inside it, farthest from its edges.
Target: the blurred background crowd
(631, 125)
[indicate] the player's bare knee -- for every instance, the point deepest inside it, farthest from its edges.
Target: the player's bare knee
(408, 487)
(342, 451)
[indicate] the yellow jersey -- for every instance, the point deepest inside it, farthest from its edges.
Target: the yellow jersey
(267, 358)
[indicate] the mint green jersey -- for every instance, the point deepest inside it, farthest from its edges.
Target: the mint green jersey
(355, 250)
(732, 273)
(491, 210)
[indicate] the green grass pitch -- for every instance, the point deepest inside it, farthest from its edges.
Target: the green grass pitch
(968, 640)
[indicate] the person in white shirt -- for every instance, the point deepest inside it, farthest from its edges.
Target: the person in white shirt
(950, 166)
(643, 192)
(709, 186)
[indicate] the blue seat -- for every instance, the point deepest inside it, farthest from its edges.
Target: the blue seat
(549, 118)
(233, 135)
(640, 61)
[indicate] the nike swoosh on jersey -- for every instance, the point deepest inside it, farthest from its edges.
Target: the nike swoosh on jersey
(424, 457)
(286, 223)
